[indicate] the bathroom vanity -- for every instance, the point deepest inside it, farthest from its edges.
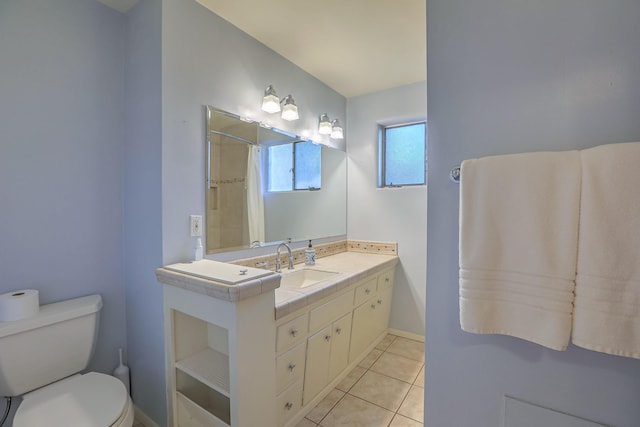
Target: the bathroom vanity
(252, 347)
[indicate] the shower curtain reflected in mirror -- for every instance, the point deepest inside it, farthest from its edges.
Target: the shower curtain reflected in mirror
(255, 202)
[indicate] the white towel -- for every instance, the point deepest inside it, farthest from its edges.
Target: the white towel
(607, 302)
(518, 237)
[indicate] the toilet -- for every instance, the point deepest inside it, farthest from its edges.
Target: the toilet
(41, 359)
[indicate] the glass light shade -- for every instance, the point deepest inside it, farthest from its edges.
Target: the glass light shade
(289, 109)
(336, 130)
(270, 101)
(324, 127)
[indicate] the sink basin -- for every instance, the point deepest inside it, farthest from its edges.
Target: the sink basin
(304, 278)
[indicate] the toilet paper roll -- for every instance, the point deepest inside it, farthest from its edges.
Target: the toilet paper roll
(18, 305)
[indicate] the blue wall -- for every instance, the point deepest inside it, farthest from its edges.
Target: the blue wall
(61, 156)
(512, 76)
(142, 207)
(375, 213)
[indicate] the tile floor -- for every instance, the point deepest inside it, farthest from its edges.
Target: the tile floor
(385, 389)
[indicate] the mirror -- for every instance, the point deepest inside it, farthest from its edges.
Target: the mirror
(241, 211)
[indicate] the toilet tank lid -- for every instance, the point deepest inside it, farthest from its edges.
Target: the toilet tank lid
(53, 313)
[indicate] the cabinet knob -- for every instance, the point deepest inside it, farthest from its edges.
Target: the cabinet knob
(386, 279)
(293, 332)
(291, 367)
(373, 306)
(288, 406)
(338, 331)
(367, 291)
(327, 337)
(379, 301)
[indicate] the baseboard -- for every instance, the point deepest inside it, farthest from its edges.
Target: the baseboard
(143, 418)
(405, 334)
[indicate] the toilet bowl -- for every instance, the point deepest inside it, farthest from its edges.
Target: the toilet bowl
(41, 358)
(89, 400)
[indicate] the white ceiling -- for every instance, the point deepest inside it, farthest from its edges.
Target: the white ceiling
(353, 46)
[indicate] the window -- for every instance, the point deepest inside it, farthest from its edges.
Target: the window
(403, 155)
(294, 166)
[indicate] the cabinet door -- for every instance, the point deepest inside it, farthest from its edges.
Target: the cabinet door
(382, 311)
(363, 329)
(317, 365)
(341, 331)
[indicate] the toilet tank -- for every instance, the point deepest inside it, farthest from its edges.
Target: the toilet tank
(56, 343)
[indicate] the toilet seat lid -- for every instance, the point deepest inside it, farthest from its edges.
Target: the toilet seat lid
(89, 400)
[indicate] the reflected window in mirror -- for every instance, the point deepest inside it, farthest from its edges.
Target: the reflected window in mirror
(294, 166)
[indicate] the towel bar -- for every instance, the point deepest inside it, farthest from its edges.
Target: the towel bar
(454, 175)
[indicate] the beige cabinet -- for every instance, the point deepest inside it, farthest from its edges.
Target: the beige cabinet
(219, 365)
(326, 339)
(371, 316)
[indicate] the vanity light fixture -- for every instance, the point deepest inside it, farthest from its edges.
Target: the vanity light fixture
(324, 127)
(289, 109)
(271, 104)
(270, 101)
(336, 130)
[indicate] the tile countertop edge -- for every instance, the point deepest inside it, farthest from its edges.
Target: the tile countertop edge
(250, 288)
(330, 287)
(222, 291)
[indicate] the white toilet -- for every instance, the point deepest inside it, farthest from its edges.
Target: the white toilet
(42, 355)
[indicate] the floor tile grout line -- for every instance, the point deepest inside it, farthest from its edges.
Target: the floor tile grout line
(389, 376)
(334, 405)
(406, 416)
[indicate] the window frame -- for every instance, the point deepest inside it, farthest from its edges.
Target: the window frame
(382, 150)
(293, 169)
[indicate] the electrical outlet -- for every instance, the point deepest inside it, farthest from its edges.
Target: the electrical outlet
(195, 225)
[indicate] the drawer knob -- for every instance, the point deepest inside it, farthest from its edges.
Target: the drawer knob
(288, 406)
(338, 331)
(327, 337)
(379, 301)
(291, 367)
(373, 306)
(386, 279)
(367, 291)
(293, 332)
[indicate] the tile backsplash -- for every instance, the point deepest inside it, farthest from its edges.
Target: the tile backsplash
(322, 250)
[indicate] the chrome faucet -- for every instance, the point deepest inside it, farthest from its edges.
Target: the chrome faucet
(278, 269)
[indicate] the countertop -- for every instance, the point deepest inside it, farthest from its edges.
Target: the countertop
(350, 266)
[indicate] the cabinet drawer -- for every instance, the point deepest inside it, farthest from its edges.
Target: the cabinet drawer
(291, 333)
(365, 290)
(290, 367)
(288, 403)
(331, 310)
(385, 280)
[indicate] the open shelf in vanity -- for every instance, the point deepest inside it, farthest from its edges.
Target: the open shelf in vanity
(201, 364)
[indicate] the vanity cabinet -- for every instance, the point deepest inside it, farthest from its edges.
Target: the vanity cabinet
(371, 316)
(338, 333)
(229, 363)
(218, 371)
